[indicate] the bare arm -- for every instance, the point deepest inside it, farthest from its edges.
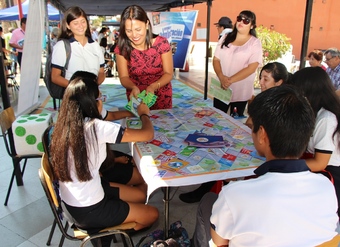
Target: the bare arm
(57, 78)
(116, 115)
(319, 162)
(168, 69)
(146, 133)
(101, 76)
(16, 46)
(217, 240)
(244, 73)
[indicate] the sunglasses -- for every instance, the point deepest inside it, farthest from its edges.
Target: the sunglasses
(102, 98)
(245, 20)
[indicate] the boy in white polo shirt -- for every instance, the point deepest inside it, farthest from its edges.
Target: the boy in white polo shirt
(286, 205)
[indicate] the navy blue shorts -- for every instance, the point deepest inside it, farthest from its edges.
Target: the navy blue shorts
(106, 213)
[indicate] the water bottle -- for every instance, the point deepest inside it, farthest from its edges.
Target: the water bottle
(235, 114)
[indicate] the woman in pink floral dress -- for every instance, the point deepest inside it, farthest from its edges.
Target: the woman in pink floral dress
(144, 60)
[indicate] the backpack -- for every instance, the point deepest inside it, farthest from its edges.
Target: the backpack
(55, 90)
(177, 237)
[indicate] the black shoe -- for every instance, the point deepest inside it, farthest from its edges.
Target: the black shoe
(197, 194)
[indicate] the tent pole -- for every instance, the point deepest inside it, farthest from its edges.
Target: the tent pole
(20, 10)
(306, 29)
(209, 2)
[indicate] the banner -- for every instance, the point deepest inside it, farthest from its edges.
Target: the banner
(177, 27)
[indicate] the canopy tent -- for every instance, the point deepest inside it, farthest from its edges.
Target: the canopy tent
(115, 7)
(12, 13)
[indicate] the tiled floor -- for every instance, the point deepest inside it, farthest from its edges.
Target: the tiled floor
(27, 219)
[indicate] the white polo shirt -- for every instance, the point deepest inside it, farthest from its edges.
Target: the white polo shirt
(82, 194)
(322, 139)
(83, 58)
(287, 206)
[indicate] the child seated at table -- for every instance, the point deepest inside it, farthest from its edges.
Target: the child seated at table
(78, 148)
(287, 205)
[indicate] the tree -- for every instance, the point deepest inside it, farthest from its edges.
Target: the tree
(274, 46)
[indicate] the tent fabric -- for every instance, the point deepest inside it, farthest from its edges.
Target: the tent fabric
(12, 13)
(116, 7)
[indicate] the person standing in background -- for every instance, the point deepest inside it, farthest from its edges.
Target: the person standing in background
(18, 38)
(54, 36)
(332, 59)
(94, 33)
(86, 54)
(315, 59)
(13, 53)
(224, 26)
(237, 56)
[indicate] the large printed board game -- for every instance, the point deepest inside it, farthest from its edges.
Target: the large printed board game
(173, 157)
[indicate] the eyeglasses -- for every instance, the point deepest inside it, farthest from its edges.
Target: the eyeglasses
(102, 98)
(328, 59)
(245, 20)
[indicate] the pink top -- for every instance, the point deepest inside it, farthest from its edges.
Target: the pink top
(18, 37)
(235, 58)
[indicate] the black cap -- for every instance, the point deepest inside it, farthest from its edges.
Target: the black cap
(224, 21)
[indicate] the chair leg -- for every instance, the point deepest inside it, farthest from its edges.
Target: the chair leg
(54, 104)
(62, 239)
(15, 168)
(23, 168)
(48, 243)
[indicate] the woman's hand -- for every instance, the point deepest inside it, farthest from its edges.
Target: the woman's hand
(134, 92)
(225, 82)
(152, 88)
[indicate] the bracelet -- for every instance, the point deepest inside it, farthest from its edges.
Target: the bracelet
(140, 117)
(159, 85)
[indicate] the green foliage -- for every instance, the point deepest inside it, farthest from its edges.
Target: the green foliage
(97, 22)
(274, 44)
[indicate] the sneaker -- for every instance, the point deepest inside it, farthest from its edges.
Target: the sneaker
(197, 194)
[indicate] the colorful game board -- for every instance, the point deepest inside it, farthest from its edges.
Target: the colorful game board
(171, 129)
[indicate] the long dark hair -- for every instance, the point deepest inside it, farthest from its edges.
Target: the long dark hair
(79, 102)
(133, 12)
(316, 85)
(232, 35)
(71, 14)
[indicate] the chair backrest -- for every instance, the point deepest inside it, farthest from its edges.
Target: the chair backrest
(49, 177)
(7, 118)
(334, 242)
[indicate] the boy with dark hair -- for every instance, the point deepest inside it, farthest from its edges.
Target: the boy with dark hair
(287, 205)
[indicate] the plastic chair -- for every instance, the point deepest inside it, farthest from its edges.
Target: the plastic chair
(334, 242)
(7, 118)
(46, 178)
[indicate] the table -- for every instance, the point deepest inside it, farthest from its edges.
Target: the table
(238, 158)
